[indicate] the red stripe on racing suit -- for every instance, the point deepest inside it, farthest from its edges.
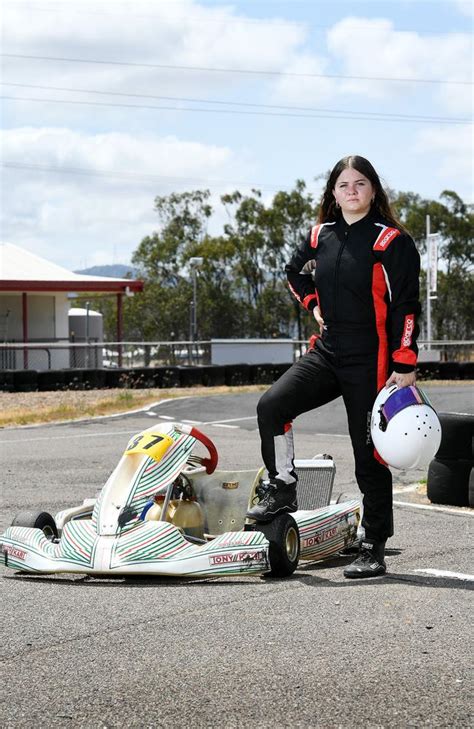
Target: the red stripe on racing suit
(401, 264)
(404, 354)
(315, 236)
(379, 291)
(302, 285)
(307, 299)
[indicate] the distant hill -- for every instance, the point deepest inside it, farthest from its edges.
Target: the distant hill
(117, 270)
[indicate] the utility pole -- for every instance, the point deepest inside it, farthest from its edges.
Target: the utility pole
(431, 275)
(87, 357)
(428, 283)
(194, 262)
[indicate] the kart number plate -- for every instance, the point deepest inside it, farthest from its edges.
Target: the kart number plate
(154, 445)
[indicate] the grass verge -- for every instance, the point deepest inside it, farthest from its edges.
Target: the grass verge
(29, 408)
(47, 407)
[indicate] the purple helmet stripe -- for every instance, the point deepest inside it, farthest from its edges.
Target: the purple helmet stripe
(402, 399)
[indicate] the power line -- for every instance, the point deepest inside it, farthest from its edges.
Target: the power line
(365, 114)
(231, 112)
(135, 177)
(253, 72)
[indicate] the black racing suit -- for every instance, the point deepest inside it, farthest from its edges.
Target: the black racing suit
(366, 285)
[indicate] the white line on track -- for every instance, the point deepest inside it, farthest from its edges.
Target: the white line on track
(406, 489)
(74, 435)
(229, 420)
(332, 435)
(223, 425)
(445, 573)
(429, 507)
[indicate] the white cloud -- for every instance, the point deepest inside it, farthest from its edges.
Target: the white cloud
(372, 47)
(453, 153)
(183, 34)
(72, 217)
(466, 7)
(310, 88)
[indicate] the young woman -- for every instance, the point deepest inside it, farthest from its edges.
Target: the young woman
(365, 299)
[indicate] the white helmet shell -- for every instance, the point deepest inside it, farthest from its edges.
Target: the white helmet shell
(405, 428)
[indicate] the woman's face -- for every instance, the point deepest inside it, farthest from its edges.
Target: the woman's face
(353, 192)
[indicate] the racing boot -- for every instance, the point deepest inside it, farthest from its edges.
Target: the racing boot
(370, 560)
(275, 497)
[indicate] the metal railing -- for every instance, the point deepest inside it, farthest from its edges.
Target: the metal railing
(75, 355)
(79, 355)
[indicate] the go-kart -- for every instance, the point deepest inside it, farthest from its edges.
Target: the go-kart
(167, 511)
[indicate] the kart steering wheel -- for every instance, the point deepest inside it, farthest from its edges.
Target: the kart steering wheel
(210, 464)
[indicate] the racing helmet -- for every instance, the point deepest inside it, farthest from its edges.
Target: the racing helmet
(404, 426)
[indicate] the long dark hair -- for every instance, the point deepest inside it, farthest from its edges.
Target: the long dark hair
(328, 212)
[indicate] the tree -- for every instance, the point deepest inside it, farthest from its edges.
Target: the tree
(454, 220)
(162, 312)
(242, 289)
(263, 239)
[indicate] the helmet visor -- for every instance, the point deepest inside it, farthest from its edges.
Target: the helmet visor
(402, 399)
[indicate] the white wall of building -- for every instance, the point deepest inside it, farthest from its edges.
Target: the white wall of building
(251, 351)
(47, 322)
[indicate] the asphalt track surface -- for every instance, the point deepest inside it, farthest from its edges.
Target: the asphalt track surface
(314, 650)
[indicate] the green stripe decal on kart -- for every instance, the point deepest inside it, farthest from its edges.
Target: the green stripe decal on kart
(152, 476)
(79, 542)
(151, 541)
(329, 532)
(31, 539)
(147, 542)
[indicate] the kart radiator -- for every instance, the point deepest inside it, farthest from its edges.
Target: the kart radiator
(315, 481)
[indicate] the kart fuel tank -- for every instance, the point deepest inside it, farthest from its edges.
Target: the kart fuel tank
(186, 514)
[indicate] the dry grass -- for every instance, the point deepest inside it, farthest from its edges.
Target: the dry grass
(26, 408)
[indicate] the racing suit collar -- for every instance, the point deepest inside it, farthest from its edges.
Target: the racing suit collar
(343, 226)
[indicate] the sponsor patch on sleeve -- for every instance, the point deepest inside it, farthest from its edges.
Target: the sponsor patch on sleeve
(408, 330)
(385, 238)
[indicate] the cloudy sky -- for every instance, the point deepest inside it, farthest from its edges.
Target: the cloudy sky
(107, 104)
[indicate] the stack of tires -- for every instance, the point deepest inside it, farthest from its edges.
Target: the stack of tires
(451, 474)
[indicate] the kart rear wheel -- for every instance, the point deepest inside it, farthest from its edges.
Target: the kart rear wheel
(284, 538)
(37, 520)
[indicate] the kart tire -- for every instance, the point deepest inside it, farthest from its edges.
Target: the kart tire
(284, 537)
(448, 482)
(37, 520)
(471, 488)
(457, 434)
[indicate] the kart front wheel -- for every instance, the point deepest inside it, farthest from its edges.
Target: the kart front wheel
(37, 520)
(284, 538)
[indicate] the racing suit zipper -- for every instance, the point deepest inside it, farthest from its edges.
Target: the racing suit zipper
(336, 284)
